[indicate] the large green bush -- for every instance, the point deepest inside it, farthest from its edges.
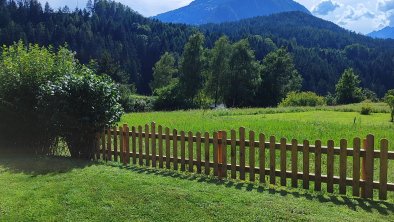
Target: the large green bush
(47, 95)
(138, 103)
(302, 99)
(23, 70)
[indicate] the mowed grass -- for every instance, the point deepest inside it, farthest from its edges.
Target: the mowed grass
(291, 123)
(60, 189)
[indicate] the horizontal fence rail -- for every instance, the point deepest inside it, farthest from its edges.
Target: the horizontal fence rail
(252, 157)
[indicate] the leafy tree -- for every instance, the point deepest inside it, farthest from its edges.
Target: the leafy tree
(219, 69)
(163, 71)
(45, 95)
(347, 88)
(191, 70)
(240, 85)
(279, 78)
(389, 98)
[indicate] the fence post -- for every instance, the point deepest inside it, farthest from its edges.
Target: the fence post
(126, 141)
(383, 169)
(369, 162)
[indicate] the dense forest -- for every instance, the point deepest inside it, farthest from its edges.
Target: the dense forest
(118, 41)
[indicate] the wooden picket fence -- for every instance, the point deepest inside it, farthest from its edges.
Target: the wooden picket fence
(243, 158)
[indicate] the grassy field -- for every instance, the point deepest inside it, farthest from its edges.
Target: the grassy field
(324, 123)
(60, 189)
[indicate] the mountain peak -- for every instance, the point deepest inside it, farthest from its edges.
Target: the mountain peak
(217, 11)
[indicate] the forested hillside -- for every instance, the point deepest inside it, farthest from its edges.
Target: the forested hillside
(321, 49)
(125, 45)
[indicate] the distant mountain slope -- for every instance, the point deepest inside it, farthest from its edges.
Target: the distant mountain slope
(321, 49)
(386, 33)
(217, 11)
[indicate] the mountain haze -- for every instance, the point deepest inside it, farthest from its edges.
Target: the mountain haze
(218, 11)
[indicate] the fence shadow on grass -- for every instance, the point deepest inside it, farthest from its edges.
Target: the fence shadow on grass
(384, 208)
(40, 165)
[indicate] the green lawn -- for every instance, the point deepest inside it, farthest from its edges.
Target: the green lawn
(60, 189)
(291, 123)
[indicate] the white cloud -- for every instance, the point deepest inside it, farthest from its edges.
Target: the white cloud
(325, 7)
(385, 5)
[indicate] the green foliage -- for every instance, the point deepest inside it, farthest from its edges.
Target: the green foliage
(163, 71)
(302, 99)
(347, 88)
(240, 85)
(366, 109)
(279, 78)
(23, 71)
(136, 103)
(46, 95)
(389, 98)
(219, 69)
(81, 105)
(330, 99)
(191, 70)
(169, 98)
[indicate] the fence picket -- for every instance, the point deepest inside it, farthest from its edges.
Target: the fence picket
(294, 163)
(342, 166)
(147, 160)
(175, 148)
(190, 145)
(206, 147)
(140, 152)
(283, 162)
(153, 143)
(318, 166)
(134, 144)
(160, 132)
(198, 145)
(103, 145)
(330, 166)
(115, 144)
(109, 144)
(356, 167)
(383, 169)
(122, 145)
(168, 152)
(183, 150)
(305, 165)
(215, 153)
(252, 159)
(233, 154)
(272, 160)
(242, 153)
(369, 162)
(262, 157)
(126, 141)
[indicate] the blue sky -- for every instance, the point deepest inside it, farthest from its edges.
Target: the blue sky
(361, 16)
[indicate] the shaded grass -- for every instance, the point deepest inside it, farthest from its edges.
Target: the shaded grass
(46, 189)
